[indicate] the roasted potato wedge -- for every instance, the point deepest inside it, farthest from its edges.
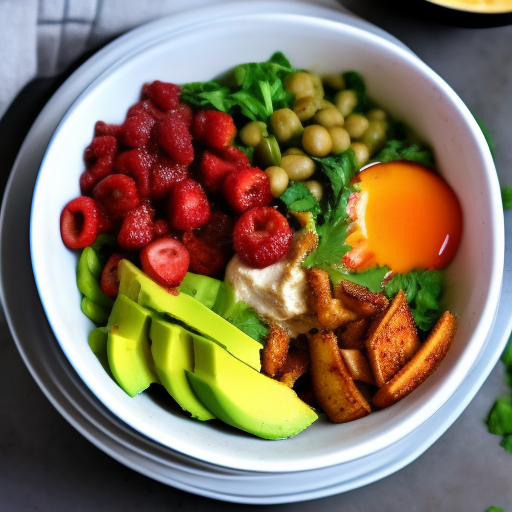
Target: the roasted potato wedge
(359, 299)
(330, 312)
(353, 335)
(357, 365)
(275, 351)
(423, 364)
(392, 340)
(332, 384)
(296, 364)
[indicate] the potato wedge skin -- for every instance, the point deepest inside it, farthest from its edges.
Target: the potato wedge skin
(275, 350)
(423, 364)
(359, 299)
(357, 365)
(334, 389)
(392, 340)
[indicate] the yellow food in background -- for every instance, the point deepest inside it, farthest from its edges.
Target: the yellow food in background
(477, 5)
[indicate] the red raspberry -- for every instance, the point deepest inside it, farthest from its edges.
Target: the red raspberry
(173, 135)
(262, 237)
(137, 164)
(117, 194)
(145, 107)
(99, 156)
(247, 188)
(163, 94)
(160, 228)
(136, 130)
(188, 205)
(101, 128)
(79, 223)
(137, 228)
(166, 261)
(87, 182)
(214, 167)
(164, 174)
(105, 223)
(213, 128)
(109, 279)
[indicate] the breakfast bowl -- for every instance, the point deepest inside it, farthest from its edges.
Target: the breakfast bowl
(398, 81)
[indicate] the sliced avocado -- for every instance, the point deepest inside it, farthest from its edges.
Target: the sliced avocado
(202, 288)
(173, 352)
(226, 300)
(244, 398)
(128, 350)
(137, 286)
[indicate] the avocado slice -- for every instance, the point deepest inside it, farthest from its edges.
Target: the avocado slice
(128, 350)
(140, 288)
(173, 352)
(244, 398)
(202, 288)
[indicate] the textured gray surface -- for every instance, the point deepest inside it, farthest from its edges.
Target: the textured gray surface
(46, 465)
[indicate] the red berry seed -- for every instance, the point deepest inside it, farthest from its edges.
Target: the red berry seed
(188, 205)
(247, 188)
(173, 135)
(137, 228)
(213, 128)
(109, 280)
(262, 237)
(79, 223)
(166, 261)
(117, 194)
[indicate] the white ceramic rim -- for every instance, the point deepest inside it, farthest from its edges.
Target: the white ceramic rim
(415, 420)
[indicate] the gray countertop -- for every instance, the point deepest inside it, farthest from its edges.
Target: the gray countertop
(45, 464)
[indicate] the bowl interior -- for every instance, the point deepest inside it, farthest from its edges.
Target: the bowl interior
(400, 83)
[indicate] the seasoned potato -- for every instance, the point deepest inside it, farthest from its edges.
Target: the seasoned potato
(359, 299)
(424, 363)
(330, 312)
(357, 365)
(296, 364)
(275, 351)
(392, 340)
(333, 386)
(353, 335)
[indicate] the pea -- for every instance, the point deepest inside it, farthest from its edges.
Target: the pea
(335, 81)
(376, 114)
(340, 139)
(300, 85)
(362, 152)
(318, 86)
(356, 125)
(298, 167)
(293, 151)
(345, 101)
(252, 133)
(305, 107)
(316, 140)
(329, 116)
(286, 125)
(315, 188)
(278, 179)
(375, 135)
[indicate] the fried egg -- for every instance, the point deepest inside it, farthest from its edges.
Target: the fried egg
(404, 216)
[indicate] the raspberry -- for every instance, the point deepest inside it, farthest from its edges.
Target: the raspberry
(136, 130)
(117, 194)
(137, 164)
(79, 223)
(160, 228)
(105, 223)
(214, 167)
(101, 128)
(188, 205)
(137, 228)
(145, 107)
(247, 188)
(87, 182)
(213, 128)
(109, 280)
(164, 174)
(166, 261)
(173, 135)
(99, 156)
(163, 94)
(261, 237)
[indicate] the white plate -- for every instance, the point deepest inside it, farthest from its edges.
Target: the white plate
(66, 391)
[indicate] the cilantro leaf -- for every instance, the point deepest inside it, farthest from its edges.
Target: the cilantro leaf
(371, 278)
(423, 290)
(298, 198)
(355, 82)
(494, 509)
(331, 246)
(506, 197)
(247, 320)
(339, 169)
(403, 150)
(499, 420)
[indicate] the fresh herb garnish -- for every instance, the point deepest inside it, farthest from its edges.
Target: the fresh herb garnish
(298, 198)
(371, 278)
(403, 150)
(354, 81)
(506, 197)
(254, 90)
(247, 320)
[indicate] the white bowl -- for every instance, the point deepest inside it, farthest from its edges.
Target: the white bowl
(398, 81)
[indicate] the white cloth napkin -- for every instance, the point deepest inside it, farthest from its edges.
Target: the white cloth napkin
(41, 38)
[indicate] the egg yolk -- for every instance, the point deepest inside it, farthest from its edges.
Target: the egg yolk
(404, 216)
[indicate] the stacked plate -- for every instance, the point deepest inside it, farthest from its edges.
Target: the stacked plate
(205, 460)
